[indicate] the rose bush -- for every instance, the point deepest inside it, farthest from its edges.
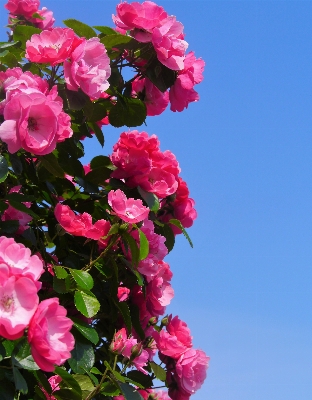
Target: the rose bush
(84, 284)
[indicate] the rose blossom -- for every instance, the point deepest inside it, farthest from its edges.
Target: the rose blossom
(123, 293)
(156, 101)
(48, 335)
(129, 210)
(182, 92)
(52, 47)
(47, 21)
(25, 8)
(34, 122)
(16, 260)
(176, 340)
(191, 371)
(54, 382)
(80, 225)
(18, 303)
(88, 68)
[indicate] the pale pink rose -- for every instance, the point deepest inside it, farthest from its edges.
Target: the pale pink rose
(16, 260)
(129, 210)
(182, 92)
(35, 123)
(156, 101)
(49, 335)
(141, 18)
(191, 371)
(123, 293)
(119, 341)
(159, 292)
(25, 8)
(18, 303)
(88, 68)
(176, 340)
(52, 46)
(80, 225)
(169, 45)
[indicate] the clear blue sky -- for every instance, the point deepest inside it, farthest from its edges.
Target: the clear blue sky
(246, 152)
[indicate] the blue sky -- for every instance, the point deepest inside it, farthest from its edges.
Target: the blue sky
(245, 150)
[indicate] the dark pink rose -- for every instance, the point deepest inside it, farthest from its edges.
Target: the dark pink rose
(123, 293)
(49, 335)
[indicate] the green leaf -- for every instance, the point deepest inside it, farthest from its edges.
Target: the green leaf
(10, 60)
(96, 111)
(16, 163)
(76, 100)
(105, 29)
(39, 395)
(161, 76)
(130, 112)
(22, 33)
(9, 226)
(67, 394)
(159, 372)
(2, 351)
(178, 224)
(89, 187)
(135, 319)
(5, 45)
(84, 382)
(86, 304)
(110, 389)
(114, 229)
(4, 169)
(116, 40)
(22, 358)
(9, 347)
(19, 197)
(98, 175)
(129, 392)
(43, 381)
(80, 28)
(19, 380)
(132, 244)
(7, 390)
(83, 279)
(144, 245)
(139, 377)
(97, 131)
(68, 381)
(167, 232)
(61, 285)
(100, 161)
(150, 199)
(125, 312)
(86, 330)
(60, 272)
(82, 357)
(50, 162)
(3, 206)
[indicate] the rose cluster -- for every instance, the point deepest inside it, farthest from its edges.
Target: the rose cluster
(83, 279)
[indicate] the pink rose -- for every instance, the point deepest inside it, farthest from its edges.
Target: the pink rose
(18, 303)
(119, 341)
(141, 18)
(48, 335)
(35, 123)
(169, 45)
(80, 225)
(134, 351)
(129, 210)
(182, 92)
(16, 260)
(189, 374)
(156, 101)
(12, 214)
(159, 292)
(123, 293)
(48, 19)
(176, 340)
(88, 68)
(54, 381)
(52, 47)
(25, 8)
